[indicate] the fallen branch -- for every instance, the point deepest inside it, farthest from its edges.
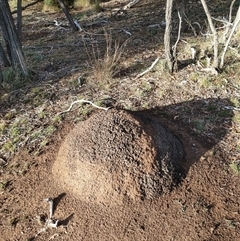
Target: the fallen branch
(127, 32)
(231, 108)
(28, 5)
(96, 23)
(82, 101)
(149, 69)
(50, 223)
(50, 206)
(211, 70)
(129, 5)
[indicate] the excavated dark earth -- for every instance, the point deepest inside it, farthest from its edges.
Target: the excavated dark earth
(118, 154)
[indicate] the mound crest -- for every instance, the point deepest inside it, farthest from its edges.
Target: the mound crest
(118, 154)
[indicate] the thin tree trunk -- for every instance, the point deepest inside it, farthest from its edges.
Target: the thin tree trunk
(10, 34)
(68, 16)
(1, 76)
(214, 32)
(3, 57)
(167, 35)
(4, 29)
(19, 18)
(235, 25)
(181, 6)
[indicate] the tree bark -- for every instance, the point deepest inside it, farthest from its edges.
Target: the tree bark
(1, 76)
(3, 27)
(12, 38)
(3, 57)
(19, 18)
(167, 35)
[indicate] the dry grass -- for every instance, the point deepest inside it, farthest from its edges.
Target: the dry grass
(104, 62)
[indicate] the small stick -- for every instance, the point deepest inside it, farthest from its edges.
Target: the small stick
(82, 101)
(149, 69)
(127, 32)
(129, 5)
(178, 37)
(50, 223)
(51, 206)
(78, 25)
(212, 70)
(53, 236)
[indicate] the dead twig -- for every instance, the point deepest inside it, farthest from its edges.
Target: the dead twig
(129, 5)
(50, 206)
(50, 223)
(28, 5)
(210, 70)
(149, 69)
(82, 101)
(178, 38)
(230, 11)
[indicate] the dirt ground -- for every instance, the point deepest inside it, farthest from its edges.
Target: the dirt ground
(203, 207)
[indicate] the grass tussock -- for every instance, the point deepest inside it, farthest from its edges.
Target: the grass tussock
(104, 66)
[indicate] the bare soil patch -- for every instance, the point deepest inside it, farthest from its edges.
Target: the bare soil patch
(203, 207)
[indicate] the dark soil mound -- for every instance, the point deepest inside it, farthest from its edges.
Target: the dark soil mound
(118, 154)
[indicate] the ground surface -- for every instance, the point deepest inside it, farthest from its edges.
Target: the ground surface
(202, 110)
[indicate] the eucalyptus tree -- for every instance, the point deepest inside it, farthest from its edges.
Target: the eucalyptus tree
(11, 38)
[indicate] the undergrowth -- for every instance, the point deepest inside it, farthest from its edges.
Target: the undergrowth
(104, 65)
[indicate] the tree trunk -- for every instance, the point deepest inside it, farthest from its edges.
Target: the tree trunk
(68, 16)
(214, 32)
(1, 76)
(4, 29)
(181, 5)
(167, 35)
(3, 57)
(19, 18)
(12, 38)
(235, 25)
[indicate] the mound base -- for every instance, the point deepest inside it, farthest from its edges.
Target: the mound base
(119, 154)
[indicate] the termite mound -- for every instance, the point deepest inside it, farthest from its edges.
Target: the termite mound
(119, 154)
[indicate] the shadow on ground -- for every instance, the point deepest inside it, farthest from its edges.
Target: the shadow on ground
(200, 124)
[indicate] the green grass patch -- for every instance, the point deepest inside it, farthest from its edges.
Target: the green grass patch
(4, 185)
(199, 125)
(236, 118)
(235, 166)
(235, 101)
(224, 113)
(14, 79)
